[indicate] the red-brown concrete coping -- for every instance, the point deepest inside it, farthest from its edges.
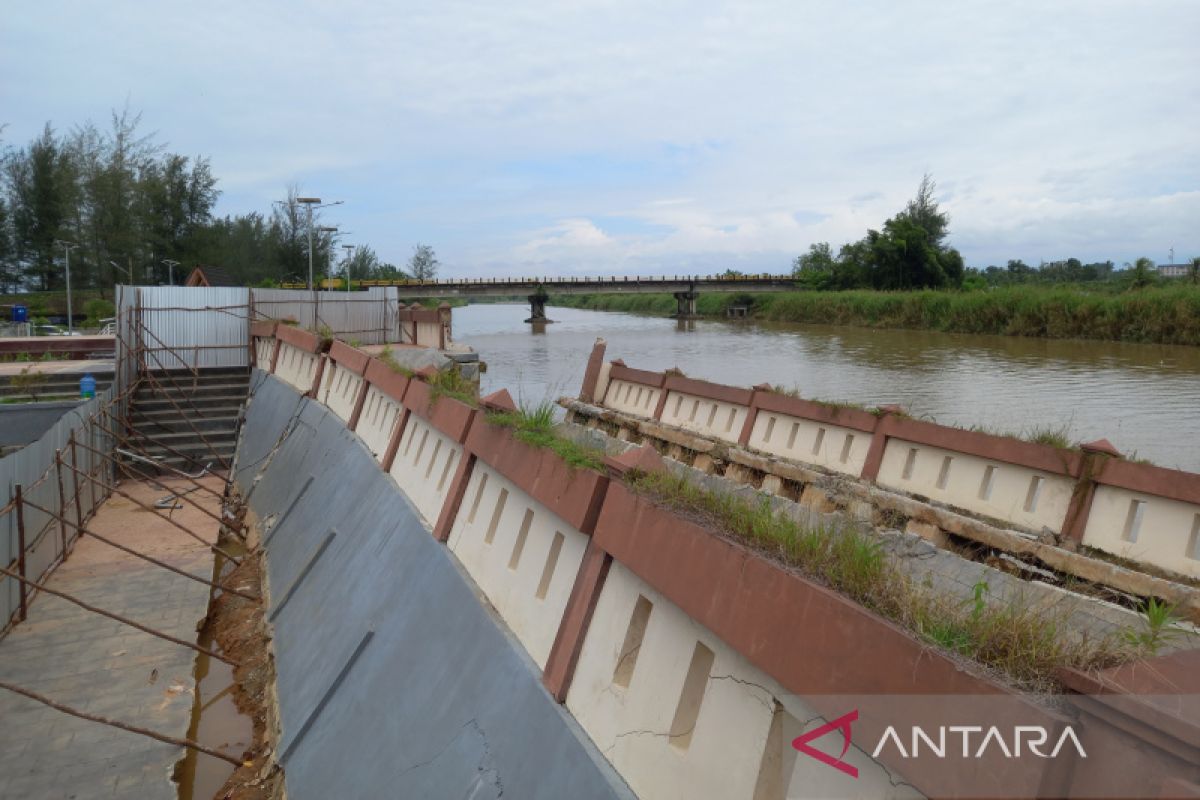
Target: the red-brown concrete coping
(712, 391)
(853, 418)
(499, 400)
(380, 375)
(998, 448)
(1168, 686)
(348, 358)
(264, 329)
(1123, 709)
(620, 372)
(1158, 481)
(813, 641)
(591, 375)
(448, 415)
(572, 494)
(415, 313)
(643, 459)
(299, 338)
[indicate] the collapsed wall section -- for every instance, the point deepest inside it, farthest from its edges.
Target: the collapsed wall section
(690, 660)
(393, 679)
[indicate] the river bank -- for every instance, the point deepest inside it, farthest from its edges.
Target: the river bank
(1157, 315)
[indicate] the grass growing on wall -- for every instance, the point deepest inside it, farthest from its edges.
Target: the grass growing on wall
(1026, 644)
(1164, 315)
(535, 427)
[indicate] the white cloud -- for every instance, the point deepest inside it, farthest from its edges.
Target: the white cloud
(724, 133)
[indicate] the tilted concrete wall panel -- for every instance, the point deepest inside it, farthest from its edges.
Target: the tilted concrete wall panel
(393, 679)
(424, 466)
(296, 367)
(1142, 527)
(831, 446)
(264, 351)
(724, 734)
(1021, 495)
(380, 415)
(339, 389)
(704, 415)
(522, 555)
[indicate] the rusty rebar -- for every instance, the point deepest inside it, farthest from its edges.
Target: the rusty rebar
(150, 479)
(18, 499)
(151, 559)
(125, 726)
(62, 502)
(41, 587)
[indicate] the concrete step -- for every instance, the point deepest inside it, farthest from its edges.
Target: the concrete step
(177, 424)
(187, 390)
(210, 373)
(202, 406)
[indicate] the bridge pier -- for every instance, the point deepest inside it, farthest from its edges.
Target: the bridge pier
(537, 308)
(685, 304)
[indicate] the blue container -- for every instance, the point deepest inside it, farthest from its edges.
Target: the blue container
(87, 386)
(20, 314)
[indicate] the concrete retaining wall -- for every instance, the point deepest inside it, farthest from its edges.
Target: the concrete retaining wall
(393, 679)
(410, 668)
(1087, 495)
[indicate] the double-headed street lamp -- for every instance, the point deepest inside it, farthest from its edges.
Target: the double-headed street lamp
(310, 203)
(67, 248)
(170, 270)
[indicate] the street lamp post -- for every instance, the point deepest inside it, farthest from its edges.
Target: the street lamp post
(170, 270)
(309, 202)
(67, 248)
(349, 248)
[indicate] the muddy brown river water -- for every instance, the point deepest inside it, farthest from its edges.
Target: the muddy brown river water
(1144, 398)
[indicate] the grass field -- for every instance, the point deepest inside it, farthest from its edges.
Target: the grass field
(1164, 315)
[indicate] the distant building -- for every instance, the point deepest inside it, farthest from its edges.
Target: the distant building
(210, 276)
(1174, 270)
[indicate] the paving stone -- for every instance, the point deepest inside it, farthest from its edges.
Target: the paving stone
(102, 666)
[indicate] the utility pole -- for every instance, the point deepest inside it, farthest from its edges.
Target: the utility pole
(349, 248)
(67, 248)
(170, 270)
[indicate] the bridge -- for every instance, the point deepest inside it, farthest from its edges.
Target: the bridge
(685, 288)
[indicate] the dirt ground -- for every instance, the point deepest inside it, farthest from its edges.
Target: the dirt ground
(239, 628)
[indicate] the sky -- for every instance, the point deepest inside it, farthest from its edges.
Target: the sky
(613, 137)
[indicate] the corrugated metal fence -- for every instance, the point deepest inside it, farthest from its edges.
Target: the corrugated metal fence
(33, 468)
(175, 327)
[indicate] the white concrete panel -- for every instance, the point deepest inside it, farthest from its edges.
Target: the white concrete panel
(733, 750)
(635, 399)
(1162, 532)
(297, 367)
(339, 389)
(424, 466)
(831, 446)
(264, 349)
(378, 421)
(1022, 496)
(523, 556)
(708, 417)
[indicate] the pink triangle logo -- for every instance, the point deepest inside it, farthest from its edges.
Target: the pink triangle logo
(842, 724)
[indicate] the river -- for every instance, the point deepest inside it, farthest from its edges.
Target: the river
(1145, 399)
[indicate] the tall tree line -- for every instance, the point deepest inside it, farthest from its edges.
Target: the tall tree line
(127, 206)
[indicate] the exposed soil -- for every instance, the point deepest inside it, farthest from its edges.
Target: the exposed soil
(239, 628)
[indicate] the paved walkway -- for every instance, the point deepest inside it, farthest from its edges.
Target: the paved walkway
(101, 666)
